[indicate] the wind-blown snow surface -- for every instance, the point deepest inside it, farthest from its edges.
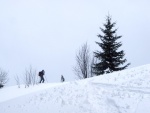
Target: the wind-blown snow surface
(126, 91)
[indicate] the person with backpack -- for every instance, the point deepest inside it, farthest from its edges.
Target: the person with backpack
(62, 78)
(41, 74)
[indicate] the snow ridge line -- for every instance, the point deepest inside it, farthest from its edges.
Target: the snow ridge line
(144, 90)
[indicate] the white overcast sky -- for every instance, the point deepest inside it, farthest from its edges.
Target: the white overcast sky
(48, 33)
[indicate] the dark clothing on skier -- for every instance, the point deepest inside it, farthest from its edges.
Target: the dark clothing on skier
(62, 78)
(41, 74)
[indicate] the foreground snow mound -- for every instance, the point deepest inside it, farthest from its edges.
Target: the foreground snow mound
(126, 91)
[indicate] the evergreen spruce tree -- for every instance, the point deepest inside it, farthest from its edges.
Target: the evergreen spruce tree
(109, 59)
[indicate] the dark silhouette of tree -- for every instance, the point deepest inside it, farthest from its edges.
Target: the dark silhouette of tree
(83, 67)
(30, 77)
(109, 59)
(3, 77)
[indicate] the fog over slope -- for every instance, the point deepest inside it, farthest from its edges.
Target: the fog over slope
(48, 33)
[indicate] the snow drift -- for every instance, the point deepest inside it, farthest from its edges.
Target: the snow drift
(126, 91)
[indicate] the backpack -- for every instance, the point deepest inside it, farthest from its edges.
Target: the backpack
(41, 73)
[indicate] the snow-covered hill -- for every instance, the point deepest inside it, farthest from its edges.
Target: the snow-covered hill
(126, 91)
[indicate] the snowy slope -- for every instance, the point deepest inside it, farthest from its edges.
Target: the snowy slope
(126, 91)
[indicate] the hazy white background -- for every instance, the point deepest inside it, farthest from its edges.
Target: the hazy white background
(48, 33)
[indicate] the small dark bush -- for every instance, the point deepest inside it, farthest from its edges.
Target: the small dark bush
(1, 85)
